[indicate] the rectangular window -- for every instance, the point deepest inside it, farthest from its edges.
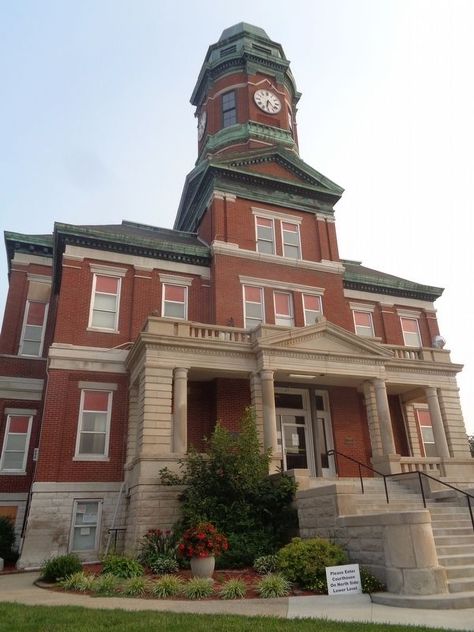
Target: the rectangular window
(105, 302)
(16, 443)
(283, 309)
(313, 309)
(424, 421)
(291, 240)
(229, 109)
(175, 301)
(33, 328)
(85, 525)
(265, 235)
(411, 332)
(363, 323)
(253, 306)
(94, 424)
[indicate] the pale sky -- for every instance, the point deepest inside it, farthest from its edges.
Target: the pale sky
(96, 124)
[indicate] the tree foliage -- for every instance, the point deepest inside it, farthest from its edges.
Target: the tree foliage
(229, 486)
(470, 438)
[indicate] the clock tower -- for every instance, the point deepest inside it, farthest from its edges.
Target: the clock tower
(245, 95)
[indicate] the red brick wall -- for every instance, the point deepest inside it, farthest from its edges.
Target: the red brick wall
(58, 437)
(350, 429)
(201, 412)
(232, 398)
(398, 426)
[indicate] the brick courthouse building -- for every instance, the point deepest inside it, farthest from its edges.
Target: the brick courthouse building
(122, 344)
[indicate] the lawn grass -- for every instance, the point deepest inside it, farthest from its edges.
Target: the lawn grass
(21, 618)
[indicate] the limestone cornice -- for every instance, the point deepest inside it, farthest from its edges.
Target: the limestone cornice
(21, 388)
(75, 358)
(223, 248)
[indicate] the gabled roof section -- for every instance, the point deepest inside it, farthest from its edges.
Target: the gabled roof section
(359, 277)
(40, 245)
(324, 336)
(304, 188)
(134, 239)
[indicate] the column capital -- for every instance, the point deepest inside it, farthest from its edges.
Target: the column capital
(180, 372)
(266, 374)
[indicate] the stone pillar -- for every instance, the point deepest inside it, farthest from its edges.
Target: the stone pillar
(257, 402)
(180, 410)
(437, 422)
(154, 409)
(269, 416)
(385, 421)
(372, 419)
(454, 427)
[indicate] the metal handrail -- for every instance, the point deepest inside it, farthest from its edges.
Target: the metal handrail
(336, 454)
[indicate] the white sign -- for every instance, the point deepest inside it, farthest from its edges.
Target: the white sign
(343, 580)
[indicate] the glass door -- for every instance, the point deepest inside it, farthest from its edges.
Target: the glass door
(324, 439)
(294, 429)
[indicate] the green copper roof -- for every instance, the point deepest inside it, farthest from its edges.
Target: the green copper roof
(243, 28)
(40, 245)
(358, 277)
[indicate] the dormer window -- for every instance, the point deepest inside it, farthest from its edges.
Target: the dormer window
(229, 109)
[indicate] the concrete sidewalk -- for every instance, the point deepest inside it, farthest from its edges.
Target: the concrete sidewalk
(19, 588)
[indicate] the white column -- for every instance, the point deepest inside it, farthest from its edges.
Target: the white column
(180, 410)
(269, 416)
(437, 422)
(385, 421)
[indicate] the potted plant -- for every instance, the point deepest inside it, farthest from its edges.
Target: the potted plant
(201, 545)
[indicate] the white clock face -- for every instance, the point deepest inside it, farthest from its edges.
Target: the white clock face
(267, 101)
(202, 124)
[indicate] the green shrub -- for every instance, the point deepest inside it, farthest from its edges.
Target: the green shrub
(233, 589)
(273, 585)
(304, 561)
(121, 566)
(77, 581)
(60, 567)
(105, 584)
(135, 586)
(370, 583)
(198, 588)
(157, 542)
(7, 539)
(229, 486)
(266, 564)
(167, 586)
(163, 565)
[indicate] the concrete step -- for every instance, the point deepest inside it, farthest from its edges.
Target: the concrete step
(459, 572)
(437, 602)
(448, 509)
(455, 549)
(446, 540)
(452, 532)
(462, 584)
(456, 559)
(451, 517)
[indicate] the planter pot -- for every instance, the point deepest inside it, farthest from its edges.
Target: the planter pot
(203, 566)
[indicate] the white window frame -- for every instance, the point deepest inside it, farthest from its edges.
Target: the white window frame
(283, 243)
(83, 456)
(289, 321)
(163, 301)
(97, 525)
(11, 415)
(311, 310)
(363, 327)
(25, 325)
(258, 240)
(424, 407)
(91, 325)
(262, 303)
(407, 317)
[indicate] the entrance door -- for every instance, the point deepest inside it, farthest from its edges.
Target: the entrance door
(294, 429)
(324, 439)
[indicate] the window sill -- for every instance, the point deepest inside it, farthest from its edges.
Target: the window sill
(13, 473)
(90, 457)
(103, 330)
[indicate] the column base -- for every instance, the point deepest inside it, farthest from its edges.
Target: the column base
(387, 464)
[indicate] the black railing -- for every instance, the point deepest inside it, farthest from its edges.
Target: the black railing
(420, 475)
(113, 533)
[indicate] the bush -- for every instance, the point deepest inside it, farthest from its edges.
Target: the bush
(162, 565)
(60, 567)
(121, 566)
(229, 486)
(370, 583)
(233, 589)
(105, 584)
(78, 581)
(7, 539)
(273, 585)
(304, 561)
(157, 542)
(167, 586)
(198, 588)
(266, 564)
(135, 586)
